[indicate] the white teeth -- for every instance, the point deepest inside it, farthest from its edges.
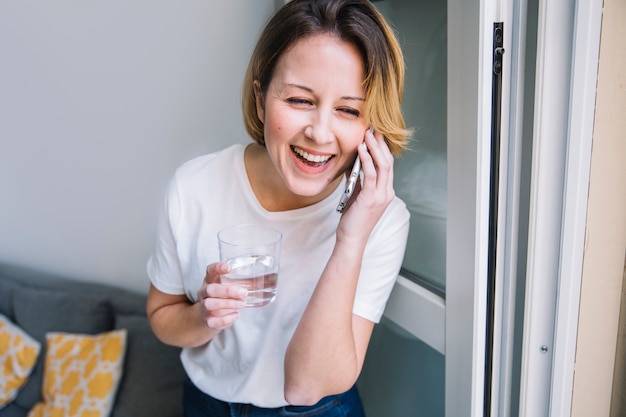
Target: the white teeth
(311, 158)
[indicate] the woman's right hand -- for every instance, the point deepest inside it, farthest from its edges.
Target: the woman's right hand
(219, 303)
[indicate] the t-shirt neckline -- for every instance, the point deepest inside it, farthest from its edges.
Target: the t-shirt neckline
(327, 204)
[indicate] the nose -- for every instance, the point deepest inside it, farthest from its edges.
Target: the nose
(319, 128)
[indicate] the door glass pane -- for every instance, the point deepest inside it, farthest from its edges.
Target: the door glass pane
(420, 176)
(402, 376)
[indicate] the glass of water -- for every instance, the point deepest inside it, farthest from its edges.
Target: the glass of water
(253, 252)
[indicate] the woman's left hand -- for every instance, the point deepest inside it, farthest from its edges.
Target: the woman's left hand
(371, 198)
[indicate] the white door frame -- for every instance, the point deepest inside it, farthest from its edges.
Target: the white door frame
(470, 27)
(567, 63)
(587, 29)
(566, 74)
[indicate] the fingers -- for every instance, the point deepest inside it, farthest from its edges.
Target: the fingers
(214, 270)
(218, 302)
(377, 166)
(377, 146)
(219, 306)
(220, 296)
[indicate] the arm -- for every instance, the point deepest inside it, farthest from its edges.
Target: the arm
(177, 321)
(327, 350)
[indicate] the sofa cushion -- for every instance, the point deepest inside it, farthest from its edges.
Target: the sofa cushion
(39, 311)
(82, 374)
(148, 359)
(18, 355)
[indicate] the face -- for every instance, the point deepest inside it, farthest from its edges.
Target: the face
(313, 113)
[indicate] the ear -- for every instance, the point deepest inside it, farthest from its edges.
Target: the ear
(260, 105)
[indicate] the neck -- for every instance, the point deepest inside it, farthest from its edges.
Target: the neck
(268, 186)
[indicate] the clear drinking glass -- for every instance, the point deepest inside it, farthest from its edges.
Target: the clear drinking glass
(253, 252)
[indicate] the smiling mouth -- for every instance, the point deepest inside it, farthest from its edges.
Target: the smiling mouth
(310, 159)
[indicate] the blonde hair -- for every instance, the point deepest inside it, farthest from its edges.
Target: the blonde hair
(354, 21)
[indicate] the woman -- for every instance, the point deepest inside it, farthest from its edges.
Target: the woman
(322, 73)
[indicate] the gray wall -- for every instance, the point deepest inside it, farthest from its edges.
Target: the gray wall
(99, 102)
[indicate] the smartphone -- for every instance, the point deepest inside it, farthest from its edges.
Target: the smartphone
(352, 179)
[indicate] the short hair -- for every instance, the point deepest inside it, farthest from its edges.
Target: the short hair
(355, 21)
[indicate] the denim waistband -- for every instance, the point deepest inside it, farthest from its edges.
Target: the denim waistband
(199, 404)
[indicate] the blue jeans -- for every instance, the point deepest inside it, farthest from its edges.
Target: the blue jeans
(198, 404)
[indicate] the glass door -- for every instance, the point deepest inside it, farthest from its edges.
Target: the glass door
(404, 371)
(427, 356)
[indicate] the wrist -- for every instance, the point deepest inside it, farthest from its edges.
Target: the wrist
(349, 248)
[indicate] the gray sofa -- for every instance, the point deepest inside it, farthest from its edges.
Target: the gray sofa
(40, 302)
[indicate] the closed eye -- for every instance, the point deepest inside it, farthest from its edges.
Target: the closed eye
(351, 112)
(299, 101)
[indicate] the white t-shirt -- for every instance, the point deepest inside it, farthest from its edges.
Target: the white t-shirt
(244, 363)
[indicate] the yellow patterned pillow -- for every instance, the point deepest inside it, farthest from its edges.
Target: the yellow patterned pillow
(18, 355)
(81, 375)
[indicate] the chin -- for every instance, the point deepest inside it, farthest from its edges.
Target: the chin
(309, 190)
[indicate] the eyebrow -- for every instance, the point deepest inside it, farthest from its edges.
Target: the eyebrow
(310, 90)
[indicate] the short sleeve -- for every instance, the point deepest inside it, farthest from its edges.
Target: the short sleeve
(163, 267)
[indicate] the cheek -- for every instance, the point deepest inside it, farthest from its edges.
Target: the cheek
(352, 139)
(278, 122)
(273, 124)
(276, 130)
